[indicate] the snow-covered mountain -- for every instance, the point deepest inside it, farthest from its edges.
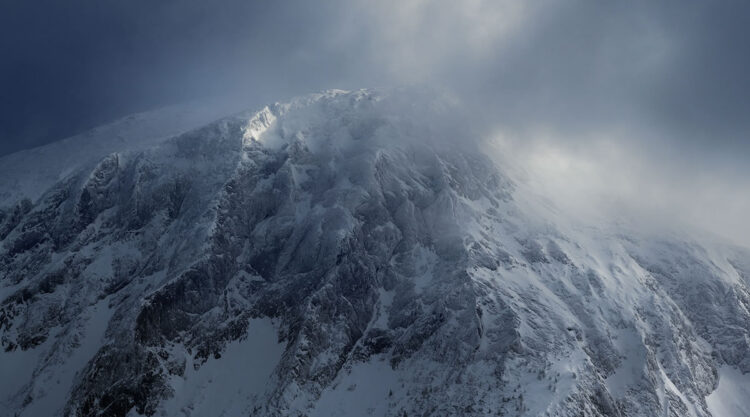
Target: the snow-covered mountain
(348, 254)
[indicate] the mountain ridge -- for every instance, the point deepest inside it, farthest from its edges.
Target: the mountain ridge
(364, 242)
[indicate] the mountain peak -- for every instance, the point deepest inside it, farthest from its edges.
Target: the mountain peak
(349, 253)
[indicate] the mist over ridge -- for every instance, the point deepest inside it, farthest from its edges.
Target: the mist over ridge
(392, 209)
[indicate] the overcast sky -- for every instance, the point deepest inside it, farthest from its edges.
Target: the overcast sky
(652, 94)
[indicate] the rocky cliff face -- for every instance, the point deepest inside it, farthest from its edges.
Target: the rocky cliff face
(350, 254)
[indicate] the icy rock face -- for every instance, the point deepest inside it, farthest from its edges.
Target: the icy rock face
(349, 254)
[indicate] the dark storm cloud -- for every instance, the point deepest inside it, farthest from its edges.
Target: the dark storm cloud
(662, 86)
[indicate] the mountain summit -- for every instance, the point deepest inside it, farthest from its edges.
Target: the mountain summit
(350, 254)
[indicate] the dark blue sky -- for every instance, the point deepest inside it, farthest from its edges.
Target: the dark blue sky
(642, 102)
(672, 73)
(70, 65)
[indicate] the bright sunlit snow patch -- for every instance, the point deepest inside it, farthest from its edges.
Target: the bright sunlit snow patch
(258, 126)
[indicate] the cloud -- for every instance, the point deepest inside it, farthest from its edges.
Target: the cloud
(424, 41)
(608, 178)
(658, 90)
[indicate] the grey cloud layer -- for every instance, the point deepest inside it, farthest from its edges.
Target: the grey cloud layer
(666, 81)
(676, 68)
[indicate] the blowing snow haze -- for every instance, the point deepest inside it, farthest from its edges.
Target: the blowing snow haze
(662, 83)
(374, 208)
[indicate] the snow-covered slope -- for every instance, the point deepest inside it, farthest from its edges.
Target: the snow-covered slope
(29, 173)
(352, 254)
